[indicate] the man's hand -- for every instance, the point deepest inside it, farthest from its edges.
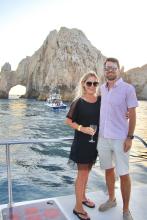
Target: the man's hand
(127, 144)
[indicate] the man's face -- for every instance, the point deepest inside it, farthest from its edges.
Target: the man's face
(111, 71)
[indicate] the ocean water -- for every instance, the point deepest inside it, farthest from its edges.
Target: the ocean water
(41, 170)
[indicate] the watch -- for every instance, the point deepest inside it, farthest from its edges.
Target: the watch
(130, 137)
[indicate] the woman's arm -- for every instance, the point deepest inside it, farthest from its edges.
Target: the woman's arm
(76, 126)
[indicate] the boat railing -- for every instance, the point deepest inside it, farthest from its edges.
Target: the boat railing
(7, 143)
(140, 139)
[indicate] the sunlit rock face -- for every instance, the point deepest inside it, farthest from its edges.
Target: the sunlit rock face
(6, 68)
(72, 55)
(59, 63)
(9, 78)
(6, 80)
(138, 77)
(62, 59)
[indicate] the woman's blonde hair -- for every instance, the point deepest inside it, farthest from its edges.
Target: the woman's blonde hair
(80, 90)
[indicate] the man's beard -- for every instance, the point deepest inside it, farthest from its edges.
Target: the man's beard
(111, 78)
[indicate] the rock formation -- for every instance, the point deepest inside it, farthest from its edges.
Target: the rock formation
(6, 80)
(138, 78)
(59, 63)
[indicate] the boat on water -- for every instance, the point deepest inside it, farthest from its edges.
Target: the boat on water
(60, 208)
(55, 102)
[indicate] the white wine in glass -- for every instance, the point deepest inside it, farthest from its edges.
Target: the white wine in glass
(94, 128)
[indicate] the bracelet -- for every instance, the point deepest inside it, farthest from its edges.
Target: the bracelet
(79, 127)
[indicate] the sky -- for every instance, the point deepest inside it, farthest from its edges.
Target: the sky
(115, 27)
(17, 90)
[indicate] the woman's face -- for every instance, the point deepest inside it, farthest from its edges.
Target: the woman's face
(90, 85)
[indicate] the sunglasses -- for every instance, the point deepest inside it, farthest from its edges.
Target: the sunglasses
(110, 68)
(89, 83)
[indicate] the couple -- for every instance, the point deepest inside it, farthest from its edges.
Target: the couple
(108, 111)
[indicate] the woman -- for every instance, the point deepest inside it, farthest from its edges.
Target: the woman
(84, 111)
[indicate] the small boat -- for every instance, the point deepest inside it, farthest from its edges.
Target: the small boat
(55, 102)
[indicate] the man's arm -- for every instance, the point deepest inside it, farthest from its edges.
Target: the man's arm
(132, 123)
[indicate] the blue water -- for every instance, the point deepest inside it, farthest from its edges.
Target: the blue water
(41, 170)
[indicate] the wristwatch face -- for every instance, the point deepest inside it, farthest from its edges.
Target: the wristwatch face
(130, 136)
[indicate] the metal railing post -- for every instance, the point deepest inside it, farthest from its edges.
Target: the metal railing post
(10, 196)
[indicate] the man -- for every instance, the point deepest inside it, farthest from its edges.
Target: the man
(116, 133)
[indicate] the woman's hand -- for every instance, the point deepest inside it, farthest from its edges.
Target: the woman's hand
(87, 130)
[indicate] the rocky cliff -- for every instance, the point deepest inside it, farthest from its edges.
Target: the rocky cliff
(138, 78)
(60, 62)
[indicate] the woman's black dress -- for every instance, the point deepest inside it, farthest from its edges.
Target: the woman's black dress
(84, 113)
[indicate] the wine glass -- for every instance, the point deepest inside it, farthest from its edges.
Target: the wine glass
(94, 128)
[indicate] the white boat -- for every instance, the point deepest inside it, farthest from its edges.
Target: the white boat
(60, 208)
(55, 102)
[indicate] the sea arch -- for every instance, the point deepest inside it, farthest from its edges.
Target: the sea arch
(17, 91)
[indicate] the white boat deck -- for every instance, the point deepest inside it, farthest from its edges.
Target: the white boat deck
(138, 205)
